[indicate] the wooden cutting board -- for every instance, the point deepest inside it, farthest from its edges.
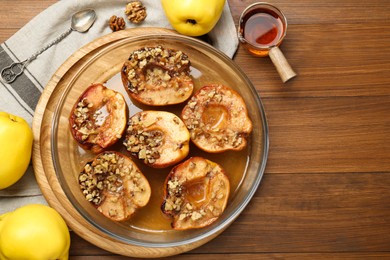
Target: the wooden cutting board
(43, 161)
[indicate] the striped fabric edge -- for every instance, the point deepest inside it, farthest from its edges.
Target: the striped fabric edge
(23, 89)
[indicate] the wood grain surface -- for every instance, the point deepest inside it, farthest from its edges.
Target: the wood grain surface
(325, 194)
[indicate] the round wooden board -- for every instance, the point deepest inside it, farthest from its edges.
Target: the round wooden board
(43, 161)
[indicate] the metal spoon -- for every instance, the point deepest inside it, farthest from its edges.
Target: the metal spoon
(81, 22)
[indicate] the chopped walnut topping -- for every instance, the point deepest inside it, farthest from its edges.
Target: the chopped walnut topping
(83, 123)
(196, 215)
(158, 138)
(175, 201)
(196, 192)
(143, 144)
(98, 118)
(187, 211)
(167, 64)
(221, 132)
(135, 11)
(106, 172)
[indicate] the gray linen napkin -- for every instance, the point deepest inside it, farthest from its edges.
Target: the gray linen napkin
(21, 96)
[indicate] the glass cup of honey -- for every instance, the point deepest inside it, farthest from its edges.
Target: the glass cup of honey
(262, 28)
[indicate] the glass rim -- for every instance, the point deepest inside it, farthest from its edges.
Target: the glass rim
(206, 233)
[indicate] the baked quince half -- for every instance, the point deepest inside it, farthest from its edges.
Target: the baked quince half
(113, 183)
(158, 138)
(195, 193)
(158, 76)
(217, 119)
(98, 118)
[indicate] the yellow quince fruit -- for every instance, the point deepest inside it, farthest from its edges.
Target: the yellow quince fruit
(16, 139)
(33, 232)
(193, 17)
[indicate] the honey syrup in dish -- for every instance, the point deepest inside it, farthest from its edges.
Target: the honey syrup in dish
(261, 28)
(150, 218)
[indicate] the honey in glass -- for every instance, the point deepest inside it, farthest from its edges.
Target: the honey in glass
(261, 27)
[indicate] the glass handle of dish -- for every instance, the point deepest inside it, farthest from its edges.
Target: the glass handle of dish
(11, 72)
(282, 66)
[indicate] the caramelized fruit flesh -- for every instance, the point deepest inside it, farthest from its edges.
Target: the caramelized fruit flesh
(158, 138)
(113, 183)
(196, 193)
(157, 76)
(98, 118)
(217, 119)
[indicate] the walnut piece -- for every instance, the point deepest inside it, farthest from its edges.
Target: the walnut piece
(116, 23)
(135, 11)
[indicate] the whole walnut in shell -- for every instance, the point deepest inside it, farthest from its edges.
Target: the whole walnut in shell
(135, 11)
(116, 23)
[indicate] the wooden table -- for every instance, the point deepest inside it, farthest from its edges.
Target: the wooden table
(326, 190)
